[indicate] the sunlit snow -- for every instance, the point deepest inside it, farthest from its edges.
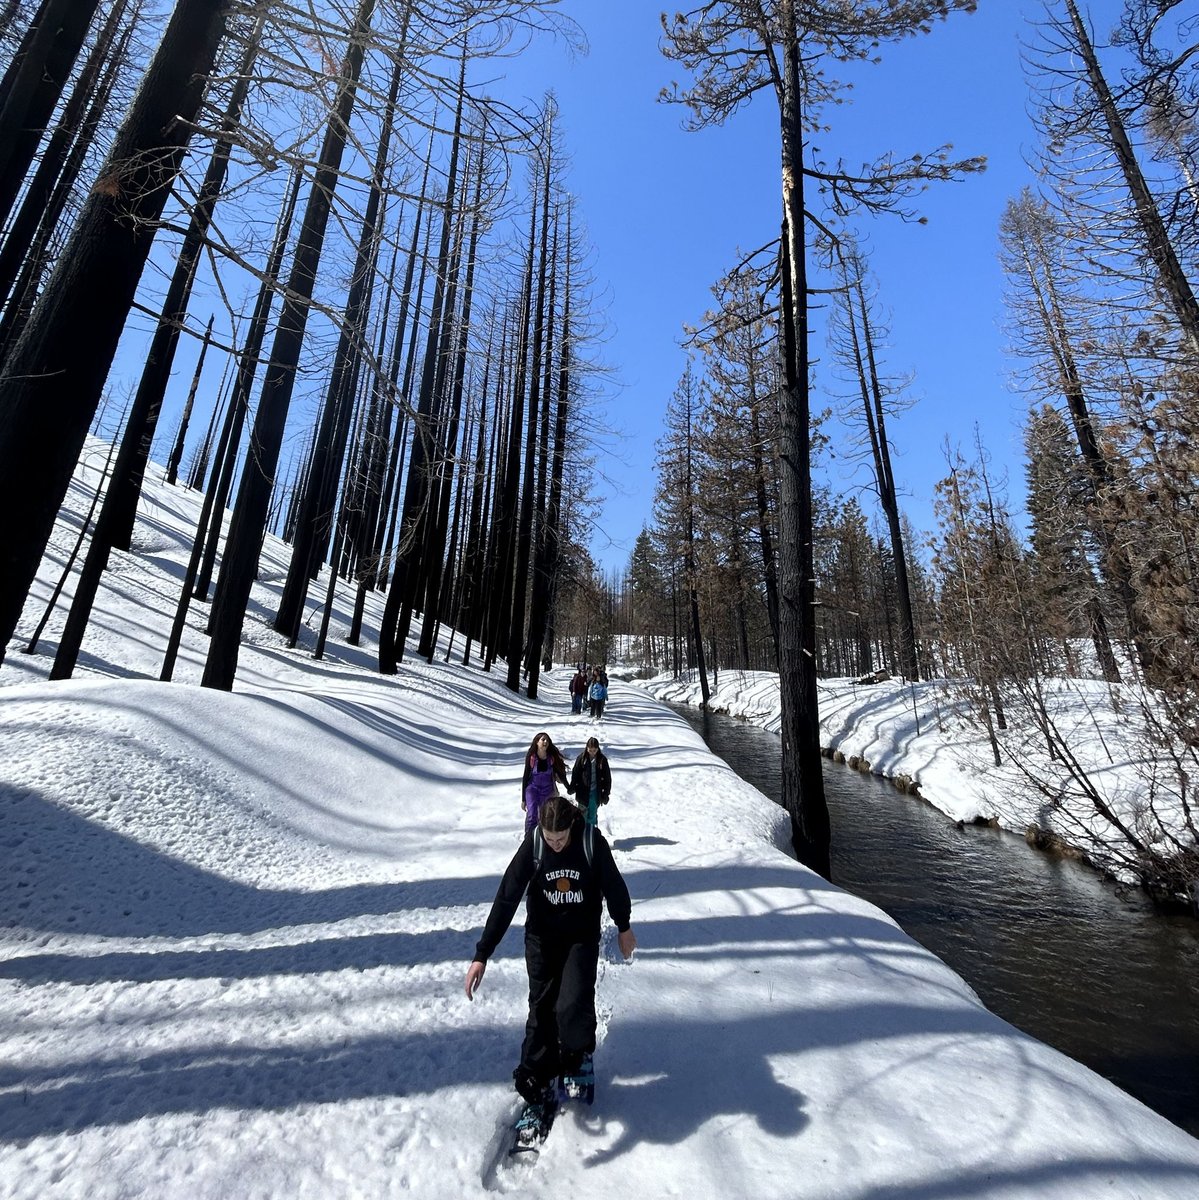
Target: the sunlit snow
(236, 928)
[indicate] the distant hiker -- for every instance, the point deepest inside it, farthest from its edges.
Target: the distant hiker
(564, 870)
(544, 769)
(578, 689)
(597, 693)
(591, 780)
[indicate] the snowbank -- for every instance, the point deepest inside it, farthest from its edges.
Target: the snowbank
(922, 733)
(236, 927)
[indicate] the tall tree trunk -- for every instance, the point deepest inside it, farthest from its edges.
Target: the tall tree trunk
(185, 419)
(880, 450)
(524, 535)
(33, 85)
(37, 257)
(201, 459)
(160, 357)
(545, 571)
(802, 777)
(19, 237)
(762, 502)
(1173, 280)
(397, 611)
(474, 580)
(502, 547)
(390, 511)
(316, 508)
(55, 373)
(258, 478)
(367, 550)
(247, 368)
(1115, 565)
(437, 588)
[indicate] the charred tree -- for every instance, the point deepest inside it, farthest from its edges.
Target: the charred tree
(55, 373)
(251, 512)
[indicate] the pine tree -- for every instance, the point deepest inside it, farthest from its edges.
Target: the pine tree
(736, 48)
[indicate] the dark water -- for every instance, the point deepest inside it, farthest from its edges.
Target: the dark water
(1046, 944)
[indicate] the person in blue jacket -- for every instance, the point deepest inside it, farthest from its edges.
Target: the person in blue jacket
(597, 693)
(564, 893)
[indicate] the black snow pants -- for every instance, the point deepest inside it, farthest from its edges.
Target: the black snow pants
(561, 1025)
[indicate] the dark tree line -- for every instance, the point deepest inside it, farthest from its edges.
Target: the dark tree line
(436, 463)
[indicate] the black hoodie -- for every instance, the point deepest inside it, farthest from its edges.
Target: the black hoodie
(564, 899)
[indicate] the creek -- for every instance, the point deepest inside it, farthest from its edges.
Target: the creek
(1095, 971)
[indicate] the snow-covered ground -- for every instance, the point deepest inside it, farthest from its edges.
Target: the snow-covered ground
(925, 733)
(236, 928)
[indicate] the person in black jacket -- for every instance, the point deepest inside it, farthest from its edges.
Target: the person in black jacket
(562, 932)
(591, 780)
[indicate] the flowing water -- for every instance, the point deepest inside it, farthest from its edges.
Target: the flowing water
(1045, 943)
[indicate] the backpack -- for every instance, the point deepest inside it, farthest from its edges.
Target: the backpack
(539, 846)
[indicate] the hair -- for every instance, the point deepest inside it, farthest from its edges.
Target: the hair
(557, 814)
(592, 741)
(553, 756)
(550, 749)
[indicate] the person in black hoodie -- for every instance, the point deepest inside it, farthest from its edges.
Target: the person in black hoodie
(591, 780)
(562, 930)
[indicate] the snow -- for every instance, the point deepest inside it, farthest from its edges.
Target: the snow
(236, 928)
(926, 732)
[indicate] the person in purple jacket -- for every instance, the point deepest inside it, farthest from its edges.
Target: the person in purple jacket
(544, 768)
(564, 892)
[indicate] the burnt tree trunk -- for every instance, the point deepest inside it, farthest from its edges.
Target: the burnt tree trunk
(252, 509)
(55, 373)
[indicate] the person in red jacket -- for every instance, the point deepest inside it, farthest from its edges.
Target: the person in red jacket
(578, 689)
(564, 892)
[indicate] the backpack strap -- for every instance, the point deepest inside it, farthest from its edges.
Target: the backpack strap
(539, 846)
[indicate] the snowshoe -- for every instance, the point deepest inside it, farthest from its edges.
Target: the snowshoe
(578, 1083)
(534, 1122)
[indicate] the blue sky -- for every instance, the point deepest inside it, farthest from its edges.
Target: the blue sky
(668, 212)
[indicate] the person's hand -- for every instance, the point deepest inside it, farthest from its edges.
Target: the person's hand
(524, 806)
(474, 977)
(627, 942)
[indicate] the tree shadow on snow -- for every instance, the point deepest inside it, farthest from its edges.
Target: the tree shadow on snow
(668, 1076)
(62, 873)
(359, 952)
(634, 843)
(726, 1080)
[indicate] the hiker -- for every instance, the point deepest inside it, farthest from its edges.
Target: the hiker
(564, 870)
(544, 769)
(591, 780)
(597, 693)
(578, 688)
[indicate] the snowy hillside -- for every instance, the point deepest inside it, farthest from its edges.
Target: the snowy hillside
(236, 928)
